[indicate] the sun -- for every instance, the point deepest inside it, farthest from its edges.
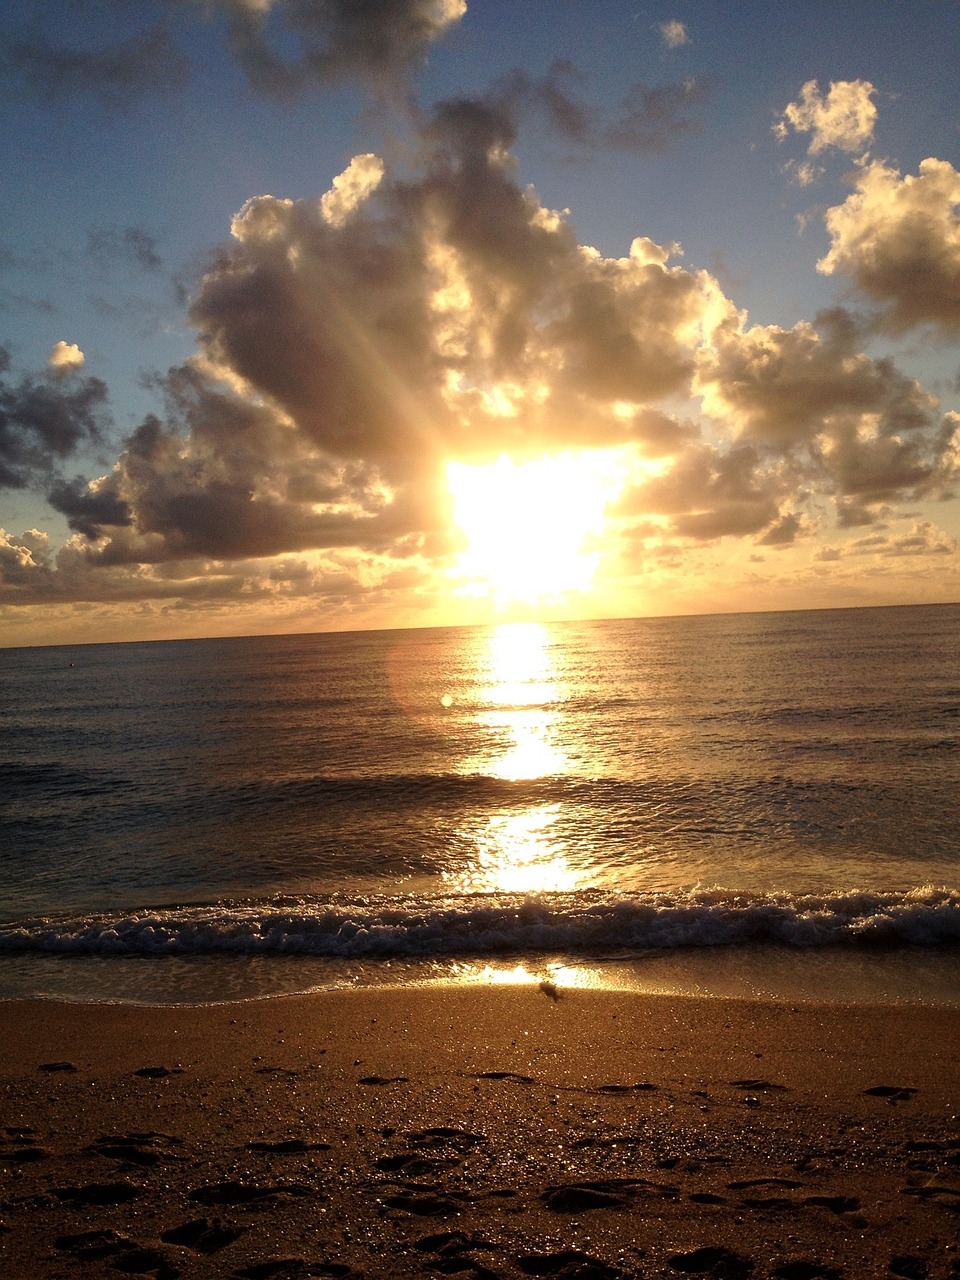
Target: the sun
(532, 528)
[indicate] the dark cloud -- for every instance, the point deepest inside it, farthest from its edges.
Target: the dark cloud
(44, 422)
(784, 387)
(709, 494)
(88, 509)
(851, 425)
(228, 479)
(783, 533)
(110, 245)
(281, 46)
(652, 118)
(649, 120)
(116, 74)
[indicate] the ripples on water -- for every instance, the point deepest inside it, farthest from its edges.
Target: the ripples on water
(799, 753)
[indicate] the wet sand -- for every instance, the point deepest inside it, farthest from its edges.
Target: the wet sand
(480, 1132)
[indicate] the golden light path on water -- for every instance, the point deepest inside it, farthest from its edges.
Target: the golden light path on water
(519, 700)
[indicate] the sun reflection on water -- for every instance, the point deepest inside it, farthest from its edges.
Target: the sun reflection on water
(553, 977)
(520, 697)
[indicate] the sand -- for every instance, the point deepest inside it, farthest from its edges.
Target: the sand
(480, 1132)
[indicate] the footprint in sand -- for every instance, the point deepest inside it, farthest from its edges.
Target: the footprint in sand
(892, 1092)
(98, 1193)
(288, 1146)
(145, 1149)
(244, 1193)
(425, 1204)
(21, 1148)
(612, 1193)
(804, 1269)
(579, 1199)
(909, 1266)
(413, 1165)
(125, 1254)
(450, 1242)
(721, 1263)
(949, 1197)
(568, 1263)
(503, 1075)
(444, 1138)
(836, 1204)
(138, 1261)
(91, 1246)
(202, 1235)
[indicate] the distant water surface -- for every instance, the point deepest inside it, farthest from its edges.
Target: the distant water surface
(188, 819)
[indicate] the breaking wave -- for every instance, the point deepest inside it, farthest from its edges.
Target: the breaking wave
(574, 923)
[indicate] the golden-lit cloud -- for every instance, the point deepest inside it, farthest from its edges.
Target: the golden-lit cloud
(422, 382)
(65, 357)
(843, 118)
(898, 238)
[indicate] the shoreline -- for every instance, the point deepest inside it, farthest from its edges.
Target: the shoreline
(901, 976)
(488, 1131)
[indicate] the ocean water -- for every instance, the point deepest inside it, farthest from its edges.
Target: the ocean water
(742, 802)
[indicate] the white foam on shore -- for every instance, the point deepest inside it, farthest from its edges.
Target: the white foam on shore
(575, 924)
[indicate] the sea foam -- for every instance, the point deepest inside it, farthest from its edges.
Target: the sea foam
(574, 923)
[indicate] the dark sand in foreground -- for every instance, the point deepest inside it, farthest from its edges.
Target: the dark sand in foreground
(480, 1132)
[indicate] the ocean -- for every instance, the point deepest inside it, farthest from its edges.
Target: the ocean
(747, 803)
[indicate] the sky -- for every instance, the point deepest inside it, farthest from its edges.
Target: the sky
(334, 314)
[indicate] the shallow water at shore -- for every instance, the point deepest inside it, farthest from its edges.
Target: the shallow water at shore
(851, 976)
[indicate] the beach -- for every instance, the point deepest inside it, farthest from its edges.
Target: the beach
(508, 1131)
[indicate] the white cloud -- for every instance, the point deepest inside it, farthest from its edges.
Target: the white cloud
(673, 33)
(66, 357)
(844, 118)
(361, 177)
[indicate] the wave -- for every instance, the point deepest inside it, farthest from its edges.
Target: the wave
(575, 923)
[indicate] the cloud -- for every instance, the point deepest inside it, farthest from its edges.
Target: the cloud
(922, 539)
(116, 74)
(785, 387)
(65, 358)
(898, 239)
(845, 118)
(109, 245)
(846, 423)
(649, 120)
(349, 346)
(380, 336)
(378, 41)
(43, 424)
(673, 33)
(357, 182)
(709, 493)
(281, 46)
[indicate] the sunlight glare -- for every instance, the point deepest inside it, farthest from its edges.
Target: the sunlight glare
(531, 527)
